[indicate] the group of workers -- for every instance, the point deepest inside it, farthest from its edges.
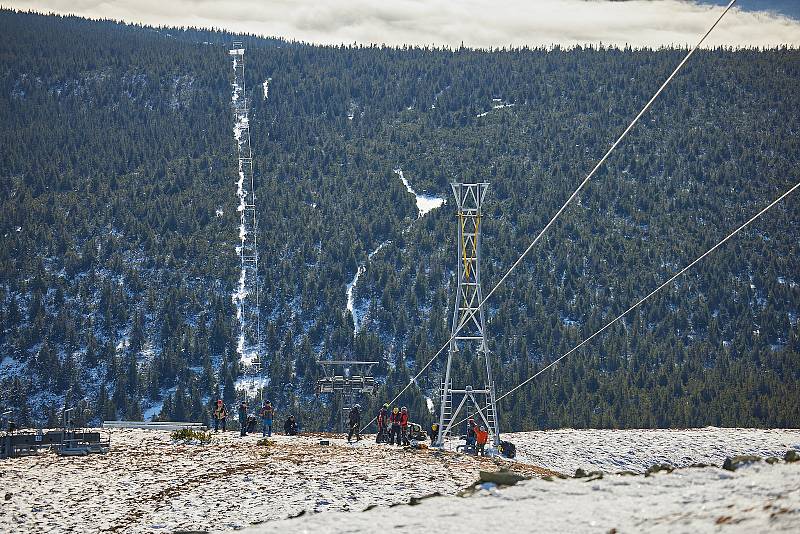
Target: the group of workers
(247, 422)
(393, 425)
(477, 436)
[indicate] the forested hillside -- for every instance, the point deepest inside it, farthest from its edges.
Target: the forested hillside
(119, 224)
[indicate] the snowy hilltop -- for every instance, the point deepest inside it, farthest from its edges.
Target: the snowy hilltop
(148, 482)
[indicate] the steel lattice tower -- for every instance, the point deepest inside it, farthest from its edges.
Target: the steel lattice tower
(247, 297)
(468, 325)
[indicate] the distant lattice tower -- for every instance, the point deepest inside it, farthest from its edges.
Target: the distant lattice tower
(247, 297)
(468, 325)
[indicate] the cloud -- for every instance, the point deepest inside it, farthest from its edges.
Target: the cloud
(476, 23)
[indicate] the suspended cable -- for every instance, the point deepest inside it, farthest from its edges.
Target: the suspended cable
(645, 298)
(568, 201)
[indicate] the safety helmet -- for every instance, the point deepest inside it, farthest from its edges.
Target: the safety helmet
(395, 409)
(219, 401)
(435, 426)
(404, 409)
(386, 405)
(358, 406)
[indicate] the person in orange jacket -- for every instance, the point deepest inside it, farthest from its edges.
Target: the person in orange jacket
(481, 439)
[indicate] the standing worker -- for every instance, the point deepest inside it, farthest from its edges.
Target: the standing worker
(434, 432)
(471, 431)
(355, 423)
(383, 418)
(481, 438)
(243, 419)
(267, 415)
(394, 433)
(404, 425)
(219, 415)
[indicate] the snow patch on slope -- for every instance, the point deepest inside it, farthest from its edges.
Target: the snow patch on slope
(497, 103)
(358, 314)
(265, 87)
(251, 384)
(425, 203)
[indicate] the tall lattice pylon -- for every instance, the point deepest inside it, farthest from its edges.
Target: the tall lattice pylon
(247, 295)
(469, 325)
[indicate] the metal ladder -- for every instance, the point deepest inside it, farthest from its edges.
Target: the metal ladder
(490, 418)
(447, 403)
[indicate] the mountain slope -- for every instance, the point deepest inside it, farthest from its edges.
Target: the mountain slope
(119, 224)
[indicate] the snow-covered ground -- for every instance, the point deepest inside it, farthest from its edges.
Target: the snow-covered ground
(756, 498)
(147, 483)
(613, 451)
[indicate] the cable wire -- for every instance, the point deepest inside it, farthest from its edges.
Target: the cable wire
(645, 298)
(568, 201)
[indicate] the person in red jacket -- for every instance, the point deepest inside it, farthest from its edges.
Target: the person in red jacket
(394, 433)
(404, 425)
(383, 419)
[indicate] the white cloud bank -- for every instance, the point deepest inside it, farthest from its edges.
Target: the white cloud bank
(476, 23)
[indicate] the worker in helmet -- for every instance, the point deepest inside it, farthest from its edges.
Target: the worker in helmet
(243, 419)
(434, 432)
(471, 425)
(481, 438)
(219, 415)
(382, 419)
(394, 433)
(355, 423)
(404, 425)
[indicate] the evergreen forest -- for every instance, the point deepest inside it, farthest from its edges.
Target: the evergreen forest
(119, 227)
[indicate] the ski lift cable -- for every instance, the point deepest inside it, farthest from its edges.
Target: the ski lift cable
(569, 200)
(645, 298)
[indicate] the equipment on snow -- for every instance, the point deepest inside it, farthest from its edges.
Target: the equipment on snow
(508, 449)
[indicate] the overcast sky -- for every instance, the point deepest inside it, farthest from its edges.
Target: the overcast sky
(476, 23)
